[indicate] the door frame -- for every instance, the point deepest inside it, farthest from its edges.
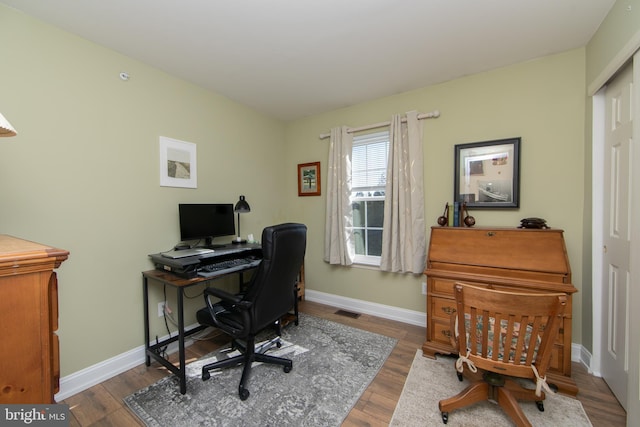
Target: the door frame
(597, 239)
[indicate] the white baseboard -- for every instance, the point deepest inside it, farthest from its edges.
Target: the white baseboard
(385, 311)
(582, 355)
(88, 377)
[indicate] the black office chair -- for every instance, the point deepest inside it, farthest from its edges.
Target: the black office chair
(269, 296)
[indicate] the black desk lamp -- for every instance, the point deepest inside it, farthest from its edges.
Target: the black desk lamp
(241, 207)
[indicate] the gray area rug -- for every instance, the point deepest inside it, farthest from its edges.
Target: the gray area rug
(430, 380)
(332, 366)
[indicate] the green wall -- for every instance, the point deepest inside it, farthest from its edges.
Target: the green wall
(615, 40)
(83, 174)
(541, 101)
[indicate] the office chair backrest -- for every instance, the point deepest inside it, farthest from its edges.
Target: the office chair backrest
(506, 332)
(271, 290)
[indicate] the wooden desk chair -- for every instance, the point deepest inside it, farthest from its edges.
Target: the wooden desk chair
(502, 334)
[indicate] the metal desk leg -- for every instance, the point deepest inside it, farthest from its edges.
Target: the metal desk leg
(183, 375)
(145, 298)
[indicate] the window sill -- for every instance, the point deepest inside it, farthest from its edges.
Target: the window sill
(368, 262)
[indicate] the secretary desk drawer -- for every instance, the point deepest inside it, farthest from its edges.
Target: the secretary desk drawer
(442, 308)
(441, 332)
(441, 286)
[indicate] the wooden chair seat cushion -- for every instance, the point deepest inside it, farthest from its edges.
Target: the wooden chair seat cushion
(503, 332)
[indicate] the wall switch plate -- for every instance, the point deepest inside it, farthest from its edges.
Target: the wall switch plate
(424, 288)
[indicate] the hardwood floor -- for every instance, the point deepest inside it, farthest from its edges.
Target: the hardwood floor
(102, 405)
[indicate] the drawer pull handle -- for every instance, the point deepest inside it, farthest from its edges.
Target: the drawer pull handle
(448, 310)
(491, 233)
(446, 333)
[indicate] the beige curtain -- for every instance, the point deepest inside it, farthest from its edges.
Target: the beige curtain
(338, 239)
(404, 247)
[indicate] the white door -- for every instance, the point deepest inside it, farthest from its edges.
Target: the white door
(617, 233)
(633, 398)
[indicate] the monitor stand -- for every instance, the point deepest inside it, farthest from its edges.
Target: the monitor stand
(208, 243)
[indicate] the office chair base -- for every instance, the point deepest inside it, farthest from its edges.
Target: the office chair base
(243, 393)
(249, 356)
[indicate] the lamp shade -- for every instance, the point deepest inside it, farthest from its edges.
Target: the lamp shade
(242, 206)
(5, 127)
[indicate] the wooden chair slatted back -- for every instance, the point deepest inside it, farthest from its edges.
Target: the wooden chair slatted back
(506, 331)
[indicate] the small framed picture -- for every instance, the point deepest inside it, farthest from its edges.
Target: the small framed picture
(487, 174)
(309, 179)
(178, 166)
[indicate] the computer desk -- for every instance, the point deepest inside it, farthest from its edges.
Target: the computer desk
(180, 284)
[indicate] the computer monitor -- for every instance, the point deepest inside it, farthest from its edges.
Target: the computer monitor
(206, 221)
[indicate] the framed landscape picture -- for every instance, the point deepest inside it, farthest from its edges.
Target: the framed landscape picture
(309, 179)
(178, 166)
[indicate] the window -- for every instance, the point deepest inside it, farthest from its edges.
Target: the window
(368, 181)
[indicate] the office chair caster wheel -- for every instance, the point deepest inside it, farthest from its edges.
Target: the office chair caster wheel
(287, 369)
(279, 344)
(205, 375)
(459, 376)
(445, 417)
(244, 394)
(540, 405)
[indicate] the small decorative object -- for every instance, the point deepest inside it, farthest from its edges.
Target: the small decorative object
(444, 219)
(469, 221)
(309, 179)
(533, 223)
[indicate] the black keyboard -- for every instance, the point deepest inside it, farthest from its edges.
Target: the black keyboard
(227, 266)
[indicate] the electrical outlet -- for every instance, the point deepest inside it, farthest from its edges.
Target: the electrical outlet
(161, 308)
(424, 288)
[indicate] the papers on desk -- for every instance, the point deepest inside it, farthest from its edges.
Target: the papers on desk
(187, 252)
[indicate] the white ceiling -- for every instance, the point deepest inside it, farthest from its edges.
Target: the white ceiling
(295, 58)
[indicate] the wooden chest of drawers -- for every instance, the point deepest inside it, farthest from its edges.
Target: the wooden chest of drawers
(29, 349)
(503, 258)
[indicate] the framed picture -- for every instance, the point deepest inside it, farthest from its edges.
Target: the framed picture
(309, 179)
(178, 166)
(487, 174)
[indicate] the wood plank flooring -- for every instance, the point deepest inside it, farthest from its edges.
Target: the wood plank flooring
(102, 404)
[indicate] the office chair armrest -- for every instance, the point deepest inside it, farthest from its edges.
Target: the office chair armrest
(226, 297)
(223, 295)
(229, 303)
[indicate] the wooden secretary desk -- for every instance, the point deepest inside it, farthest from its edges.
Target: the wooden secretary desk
(29, 357)
(503, 258)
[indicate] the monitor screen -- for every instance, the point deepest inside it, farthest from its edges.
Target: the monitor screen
(206, 221)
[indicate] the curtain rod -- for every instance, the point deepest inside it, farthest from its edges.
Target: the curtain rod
(432, 115)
